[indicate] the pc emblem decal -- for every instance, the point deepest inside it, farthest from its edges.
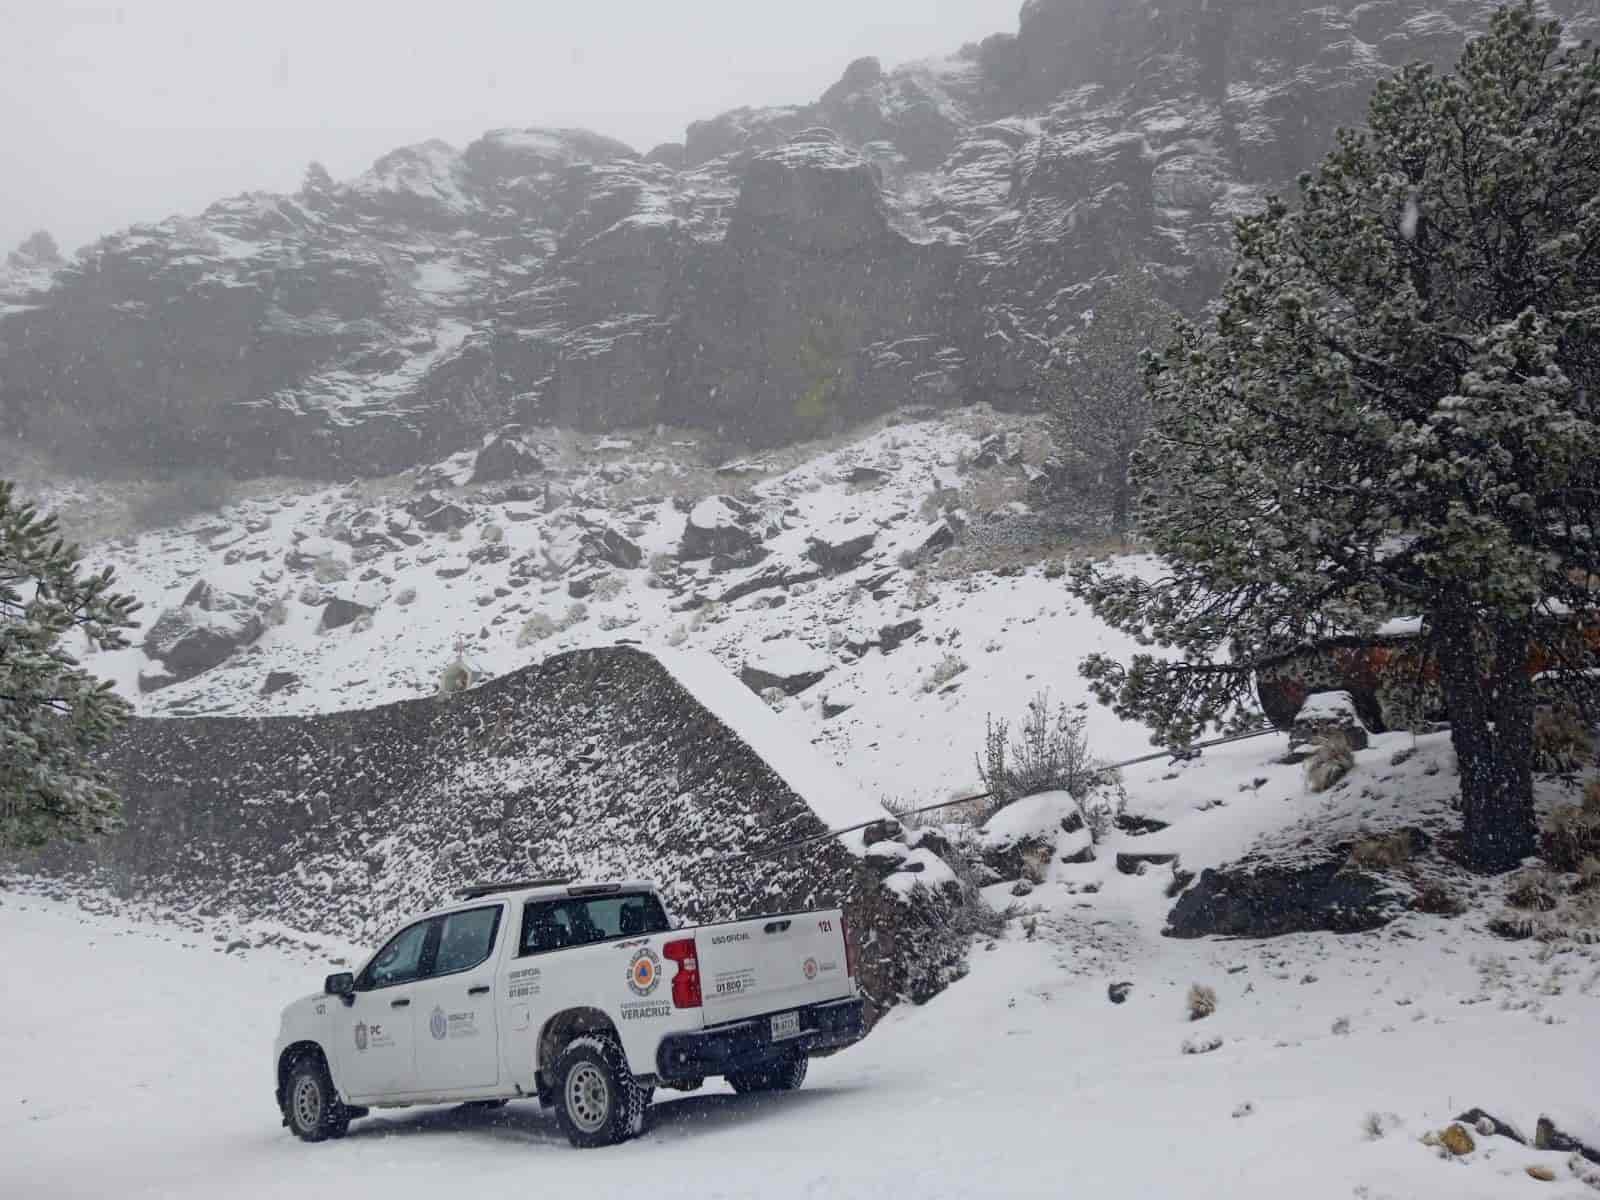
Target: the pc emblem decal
(644, 972)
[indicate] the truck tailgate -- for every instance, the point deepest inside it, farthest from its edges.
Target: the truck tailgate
(768, 964)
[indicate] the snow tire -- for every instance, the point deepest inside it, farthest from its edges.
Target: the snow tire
(598, 1101)
(311, 1106)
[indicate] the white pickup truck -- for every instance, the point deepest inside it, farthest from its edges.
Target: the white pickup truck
(582, 996)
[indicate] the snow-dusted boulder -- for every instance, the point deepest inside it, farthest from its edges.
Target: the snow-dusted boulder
(1329, 712)
(438, 515)
(348, 603)
(503, 457)
(608, 545)
(199, 634)
(841, 546)
(719, 526)
(306, 552)
(787, 664)
(1025, 831)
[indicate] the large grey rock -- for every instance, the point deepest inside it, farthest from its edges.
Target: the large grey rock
(199, 634)
(503, 458)
(787, 664)
(841, 547)
(717, 526)
(1267, 901)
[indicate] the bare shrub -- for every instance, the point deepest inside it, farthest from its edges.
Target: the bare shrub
(1572, 834)
(919, 594)
(1330, 761)
(1050, 754)
(406, 596)
(1202, 1001)
(936, 502)
(1375, 1124)
(535, 629)
(1036, 864)
(1386, 852)
(492, 535)
(1535, 889)
(277, 613)
(328, 569)
(946, 669)
(1437, 900)
(607, 587)
(993, 492)
(677, 636)
(1561, 741)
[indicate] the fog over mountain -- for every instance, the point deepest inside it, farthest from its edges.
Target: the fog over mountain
(123, 112)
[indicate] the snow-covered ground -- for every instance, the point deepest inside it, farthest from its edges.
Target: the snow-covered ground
(137, 1064)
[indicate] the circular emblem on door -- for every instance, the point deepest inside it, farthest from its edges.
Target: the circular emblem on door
(644, 972)
(810, 968)
(361, 1035)
(437, 1025)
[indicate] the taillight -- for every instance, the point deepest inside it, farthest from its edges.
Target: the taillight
(849, 947)
(686, 981)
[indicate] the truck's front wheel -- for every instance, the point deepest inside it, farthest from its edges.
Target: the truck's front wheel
(597, 1100)
(311, 1106)
(784, 1075)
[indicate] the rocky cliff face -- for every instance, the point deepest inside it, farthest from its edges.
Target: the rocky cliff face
(916, 234)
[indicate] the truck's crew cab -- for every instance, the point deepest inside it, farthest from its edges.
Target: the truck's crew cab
(582, 996)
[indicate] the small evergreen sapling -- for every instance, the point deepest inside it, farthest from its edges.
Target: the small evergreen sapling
(53, 713)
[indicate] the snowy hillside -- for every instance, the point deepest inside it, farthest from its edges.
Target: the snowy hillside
(857, 596)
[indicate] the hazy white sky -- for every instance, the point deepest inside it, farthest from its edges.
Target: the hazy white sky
(120, 112)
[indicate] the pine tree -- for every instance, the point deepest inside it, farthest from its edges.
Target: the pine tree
(52, 712)
(1395, 412)
(1098, 406)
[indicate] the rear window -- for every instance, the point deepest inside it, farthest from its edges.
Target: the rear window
(555, 924)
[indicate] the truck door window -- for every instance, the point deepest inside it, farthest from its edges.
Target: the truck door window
(466, 939)
(400, 960)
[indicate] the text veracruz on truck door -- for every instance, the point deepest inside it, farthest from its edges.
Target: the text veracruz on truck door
(644, 972)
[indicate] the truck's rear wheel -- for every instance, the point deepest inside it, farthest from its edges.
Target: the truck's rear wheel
(597, 1100)
(311, 1106)
(784, 1075)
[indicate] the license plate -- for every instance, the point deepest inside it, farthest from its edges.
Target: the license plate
(785, 1025)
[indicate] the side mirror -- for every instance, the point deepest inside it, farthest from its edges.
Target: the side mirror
(342, 985)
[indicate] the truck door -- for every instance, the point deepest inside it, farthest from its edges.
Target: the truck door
(453, 1017)
(374, 1049)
